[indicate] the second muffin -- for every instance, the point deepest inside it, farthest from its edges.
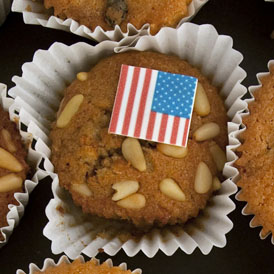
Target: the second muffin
(256, 157)
(109, 13)
(13, 167)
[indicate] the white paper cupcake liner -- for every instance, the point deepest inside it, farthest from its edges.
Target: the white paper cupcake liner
(39, 92)
(35, 13)
(239, 117)
(34, 158)
(5, 6)
(64, 259)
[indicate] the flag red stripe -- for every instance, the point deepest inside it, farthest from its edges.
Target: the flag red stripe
(185, 132)
(151, 123)
(175, 128)
(118, 99)
(131, 98)
(142, 103)
(163, 125)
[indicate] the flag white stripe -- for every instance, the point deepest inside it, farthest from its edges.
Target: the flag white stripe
(124, 100)
(136, 102)
(169, 128)
(147, 111)
(157, 125)
(180, 133)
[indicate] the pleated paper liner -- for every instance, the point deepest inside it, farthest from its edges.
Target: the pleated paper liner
(5, 6)
(50, 263)
(34, 12)
(246, 211)
(40, 91)
(34, 158)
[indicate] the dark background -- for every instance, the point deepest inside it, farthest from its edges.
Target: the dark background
(250, 23)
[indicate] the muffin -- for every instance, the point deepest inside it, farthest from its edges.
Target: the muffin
(13, 168)
(109, 13)
(105, 180)
(256, 157)
(77, 266)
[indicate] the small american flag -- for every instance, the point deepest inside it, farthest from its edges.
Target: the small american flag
(153, 105)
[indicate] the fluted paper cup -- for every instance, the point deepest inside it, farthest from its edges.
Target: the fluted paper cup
(5, 6)
(64, 259)
(34, 158)
(34, 12)
(239, 117)
(39, 91)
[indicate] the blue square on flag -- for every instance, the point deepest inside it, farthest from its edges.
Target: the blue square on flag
(174, 94)
(153, 105)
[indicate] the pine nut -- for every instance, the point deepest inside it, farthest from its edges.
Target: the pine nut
(8, 141)
(9, 162)
(82, 76)
(82, 189)
(201, 104)
(69, 110)
(171, 189)
(10, 182)
(133, 153)
(172, 151)
(124, 189)
(216, 184)
(207, 131)
(203, 179)
(218, 155)
(134, 201)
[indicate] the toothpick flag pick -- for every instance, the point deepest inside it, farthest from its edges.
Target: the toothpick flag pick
(153, 105)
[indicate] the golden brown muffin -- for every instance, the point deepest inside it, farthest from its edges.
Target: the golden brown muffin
(256, 162)
(85, 155)
(12, 176)
(90, 267)
(108, 13)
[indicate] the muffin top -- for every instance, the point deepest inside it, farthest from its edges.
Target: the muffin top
(100, 169)
(108, 13)
(13, 168)
(256, 162)
(90, 267)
